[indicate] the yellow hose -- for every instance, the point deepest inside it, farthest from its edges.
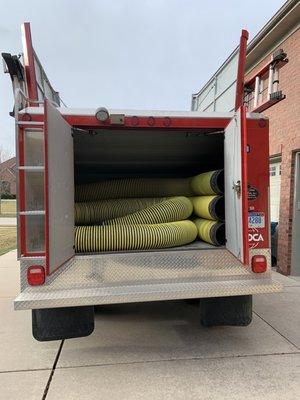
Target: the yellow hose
(169, 210)
(212, 232)
(138, 213)
(133, 187)
(209, 207)
(92, 212)
(134, 237)
(208, 183)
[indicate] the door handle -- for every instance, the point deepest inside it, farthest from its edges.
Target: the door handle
(237, 187)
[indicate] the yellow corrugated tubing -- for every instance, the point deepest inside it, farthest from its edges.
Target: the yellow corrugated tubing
(157, 226)
(134, 237)
(211, 231)
(133, 187)
(169, 210)
(208, 183)
(209, 207)
(92, 212)
(139, 214)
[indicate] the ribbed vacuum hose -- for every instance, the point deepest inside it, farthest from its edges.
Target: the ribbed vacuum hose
(208, 183)
(134, 237)
(92, 212)
(209, 207)
(211, 231)
(169, 210)
(143, 214)
(133, 187)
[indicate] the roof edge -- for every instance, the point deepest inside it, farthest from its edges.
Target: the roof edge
(268, 27)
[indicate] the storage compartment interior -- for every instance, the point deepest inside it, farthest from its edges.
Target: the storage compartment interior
(110, 154)
(118, 154)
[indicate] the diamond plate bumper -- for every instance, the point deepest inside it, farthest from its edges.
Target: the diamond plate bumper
(144, 276)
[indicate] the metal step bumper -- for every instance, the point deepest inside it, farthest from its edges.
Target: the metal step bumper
(145, 276)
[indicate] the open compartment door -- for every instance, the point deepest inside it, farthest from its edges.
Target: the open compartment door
(236, 192)
(59, 179)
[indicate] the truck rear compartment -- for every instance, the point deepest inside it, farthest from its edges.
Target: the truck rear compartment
(160, 153)
(195, 270)
(122, 154)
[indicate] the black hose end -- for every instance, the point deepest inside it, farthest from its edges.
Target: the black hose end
(217, 234)
(217, 181)
(217, 208)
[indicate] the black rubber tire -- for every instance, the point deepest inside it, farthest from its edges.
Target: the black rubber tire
(192, 302)
(231, 311)
(62, 323)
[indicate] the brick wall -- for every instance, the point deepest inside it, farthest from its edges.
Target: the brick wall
(8, 175)
(285, 140)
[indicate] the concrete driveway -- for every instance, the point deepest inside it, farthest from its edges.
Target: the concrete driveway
(5, 221)
(153, 351)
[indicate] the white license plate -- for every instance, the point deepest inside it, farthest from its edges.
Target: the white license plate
(256, 220)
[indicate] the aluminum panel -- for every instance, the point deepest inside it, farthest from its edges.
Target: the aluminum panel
(60, 168)
(145, 276)
(233, 175)
(139, 113)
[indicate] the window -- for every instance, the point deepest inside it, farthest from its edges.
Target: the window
(5, 187)
(272, 170)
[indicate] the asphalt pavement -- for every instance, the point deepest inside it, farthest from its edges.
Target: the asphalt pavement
(153, 351)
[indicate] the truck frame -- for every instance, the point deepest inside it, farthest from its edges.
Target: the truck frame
(62, 287)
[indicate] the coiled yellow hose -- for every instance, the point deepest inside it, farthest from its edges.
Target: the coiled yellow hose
(134, 237)
(209, 207)
(92, 212)
(169, 210)
(208, 183)
(133, 187)
(139, 214)
(211, 231)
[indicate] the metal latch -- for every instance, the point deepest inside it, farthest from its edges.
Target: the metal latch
(237, 187)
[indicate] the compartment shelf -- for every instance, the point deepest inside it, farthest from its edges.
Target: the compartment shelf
(31, 168)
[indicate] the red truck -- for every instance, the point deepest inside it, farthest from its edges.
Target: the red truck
(58, 147)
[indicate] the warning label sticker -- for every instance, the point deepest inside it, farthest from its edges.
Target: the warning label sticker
(252, 193)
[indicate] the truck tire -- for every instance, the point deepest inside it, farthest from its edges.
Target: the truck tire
(232, 311)
(192, 302)
(62, 323)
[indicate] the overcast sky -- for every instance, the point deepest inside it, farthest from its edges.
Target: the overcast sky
(139, 54)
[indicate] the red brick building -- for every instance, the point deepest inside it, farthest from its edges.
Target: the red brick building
(282, 32)
(8, 177)
(218, 94)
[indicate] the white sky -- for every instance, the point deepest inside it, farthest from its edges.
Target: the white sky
(140, 54)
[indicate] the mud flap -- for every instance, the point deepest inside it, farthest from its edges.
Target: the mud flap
(62, 323)
(232, 311)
